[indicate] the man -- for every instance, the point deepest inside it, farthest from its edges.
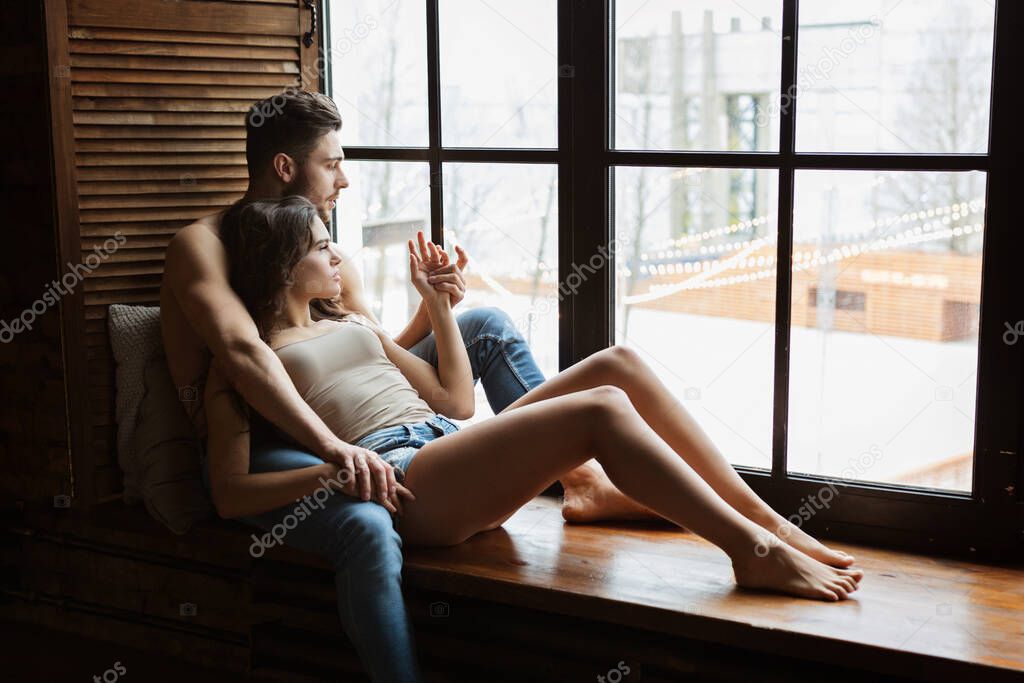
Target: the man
(293, 146)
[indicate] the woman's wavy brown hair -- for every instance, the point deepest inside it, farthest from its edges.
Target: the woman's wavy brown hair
(264, 240)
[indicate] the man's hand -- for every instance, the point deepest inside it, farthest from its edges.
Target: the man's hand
(362, 474)
(444, 275)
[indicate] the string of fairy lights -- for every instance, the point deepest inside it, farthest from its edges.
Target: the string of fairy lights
(926, 225)
(802, 260)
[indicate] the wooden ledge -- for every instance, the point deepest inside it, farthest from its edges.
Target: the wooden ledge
(914, 616)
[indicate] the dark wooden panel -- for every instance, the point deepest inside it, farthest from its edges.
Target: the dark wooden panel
(133, 118)
(178, 184)
(160, 104)
(172, 146)
(183, 214)
(182, 49)
(162, 172)
(226, 91)
(165, 159)
(158, 200)
(120, 61)
(149, 228)
(96, 33)
(155, 97)
(176, 15)
(182, 77)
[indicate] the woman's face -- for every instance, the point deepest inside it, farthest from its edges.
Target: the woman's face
(317, 275)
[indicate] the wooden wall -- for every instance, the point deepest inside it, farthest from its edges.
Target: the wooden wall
(33, 421)
(149, 99)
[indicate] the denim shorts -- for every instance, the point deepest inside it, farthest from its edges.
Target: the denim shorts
(398, 445)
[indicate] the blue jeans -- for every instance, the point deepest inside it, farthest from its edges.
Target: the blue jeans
(398, 445)
(498, 355)
(359, 538)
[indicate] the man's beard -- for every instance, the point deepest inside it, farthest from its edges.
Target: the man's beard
(301, 187)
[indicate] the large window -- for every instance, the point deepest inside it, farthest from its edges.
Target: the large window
(797, 199)
(450, 120)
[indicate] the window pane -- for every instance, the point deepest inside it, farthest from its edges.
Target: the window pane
(499, 73)
(506, 218)
(697, 74)
(384, 205)
(886, 289)
(695, 294)
(879, 76)
(378, 68)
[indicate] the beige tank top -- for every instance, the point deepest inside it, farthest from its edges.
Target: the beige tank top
(349, 381)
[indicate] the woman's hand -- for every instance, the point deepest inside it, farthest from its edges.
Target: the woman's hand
(362, 473)
(420, 268)
(443, 275)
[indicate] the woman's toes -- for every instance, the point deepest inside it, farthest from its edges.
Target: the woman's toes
(839, 589)
(829, 594)
(855, 574)
(840, 559)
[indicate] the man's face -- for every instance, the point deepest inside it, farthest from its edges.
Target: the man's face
(320, 178)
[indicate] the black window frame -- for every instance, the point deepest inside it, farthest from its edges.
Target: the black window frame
(986, 522)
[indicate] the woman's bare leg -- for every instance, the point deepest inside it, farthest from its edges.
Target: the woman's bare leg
(463, 481)
(590, 496)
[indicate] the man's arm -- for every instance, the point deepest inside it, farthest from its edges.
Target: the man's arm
(196, 271)
(235, 492)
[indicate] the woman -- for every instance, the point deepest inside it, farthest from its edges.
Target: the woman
(444, 484)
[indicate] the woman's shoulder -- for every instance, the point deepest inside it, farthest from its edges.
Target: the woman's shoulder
(294, 335)
(357, 318)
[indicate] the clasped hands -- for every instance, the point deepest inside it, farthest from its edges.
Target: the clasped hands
(360, 472)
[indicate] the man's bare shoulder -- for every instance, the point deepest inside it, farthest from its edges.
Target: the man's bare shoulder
(202, 230)
(201, 237)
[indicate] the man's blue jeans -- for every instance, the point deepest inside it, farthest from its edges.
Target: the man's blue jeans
(357, 537)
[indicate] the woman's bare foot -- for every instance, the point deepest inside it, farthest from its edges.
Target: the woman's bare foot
(778, 526)
(590, 496)
(780, 567)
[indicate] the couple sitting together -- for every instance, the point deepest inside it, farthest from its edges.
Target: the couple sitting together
(259, 308)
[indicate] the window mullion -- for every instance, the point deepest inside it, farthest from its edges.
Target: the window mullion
(434, 121)
(784, 245)
(586, 308)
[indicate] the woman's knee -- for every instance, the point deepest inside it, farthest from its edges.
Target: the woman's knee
(603, 403)
(616, 364)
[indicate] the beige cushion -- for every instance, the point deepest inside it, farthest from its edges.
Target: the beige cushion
(156, 443)
(166, 453)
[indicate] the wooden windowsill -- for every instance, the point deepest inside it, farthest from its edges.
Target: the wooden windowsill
(914, 616)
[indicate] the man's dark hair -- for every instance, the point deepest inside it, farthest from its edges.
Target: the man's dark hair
(291, 122)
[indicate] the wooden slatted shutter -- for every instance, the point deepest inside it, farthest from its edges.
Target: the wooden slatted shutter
(154, 92)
